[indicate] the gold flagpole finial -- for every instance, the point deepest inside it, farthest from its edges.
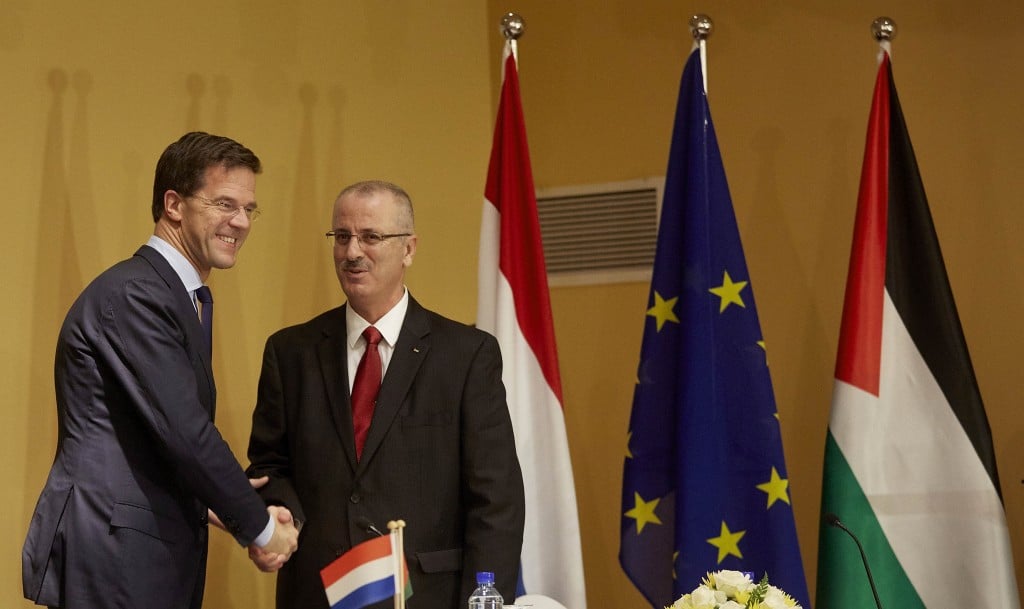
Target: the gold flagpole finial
(512, 26)
(883, 29)
(701, 26)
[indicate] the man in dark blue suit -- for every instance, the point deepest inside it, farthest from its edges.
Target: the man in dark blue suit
(435, 447)
(140, 468)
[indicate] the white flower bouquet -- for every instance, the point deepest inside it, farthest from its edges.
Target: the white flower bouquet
(735, 590)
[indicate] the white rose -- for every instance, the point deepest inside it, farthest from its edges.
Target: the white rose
(777, 599)
(730, 605)
(682, 603)
(732, 582)
(704, 598)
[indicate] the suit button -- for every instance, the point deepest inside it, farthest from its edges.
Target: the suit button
(355, 498)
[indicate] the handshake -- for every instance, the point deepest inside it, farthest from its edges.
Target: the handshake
(279, 549)
(283, 542)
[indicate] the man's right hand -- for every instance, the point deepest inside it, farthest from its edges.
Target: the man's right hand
(284, 541)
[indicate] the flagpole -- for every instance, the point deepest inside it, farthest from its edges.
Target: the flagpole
(700, 28)
(884, 30)
(398, 537)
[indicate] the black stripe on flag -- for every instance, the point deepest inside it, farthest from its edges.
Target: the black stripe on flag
(915, 277)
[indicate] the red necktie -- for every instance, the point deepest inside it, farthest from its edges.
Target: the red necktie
(366, 387)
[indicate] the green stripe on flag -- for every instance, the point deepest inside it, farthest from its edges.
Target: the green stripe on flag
(842, 582)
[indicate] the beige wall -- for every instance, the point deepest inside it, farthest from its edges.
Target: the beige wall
(328, 92)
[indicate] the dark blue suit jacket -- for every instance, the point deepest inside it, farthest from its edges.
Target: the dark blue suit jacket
(121, 521)
(440, 454)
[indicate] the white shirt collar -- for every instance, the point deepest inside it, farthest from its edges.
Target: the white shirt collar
(390, 325)
(182, 267)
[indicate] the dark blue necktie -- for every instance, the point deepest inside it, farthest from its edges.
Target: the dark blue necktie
(205, 298)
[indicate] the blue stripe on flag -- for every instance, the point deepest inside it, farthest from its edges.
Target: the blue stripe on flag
(373, 592)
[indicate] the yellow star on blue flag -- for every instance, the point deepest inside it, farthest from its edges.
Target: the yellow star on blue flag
(662, 310)
(729, 292)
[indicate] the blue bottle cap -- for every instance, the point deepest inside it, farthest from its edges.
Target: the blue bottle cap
(484, 577)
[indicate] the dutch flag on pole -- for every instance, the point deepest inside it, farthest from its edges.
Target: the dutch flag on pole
(366, 574)
(515, 307)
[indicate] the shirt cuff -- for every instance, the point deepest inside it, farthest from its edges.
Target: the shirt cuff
(268, 533)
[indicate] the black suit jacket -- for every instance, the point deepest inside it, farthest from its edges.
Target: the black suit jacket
(439, 454)
(121, 521)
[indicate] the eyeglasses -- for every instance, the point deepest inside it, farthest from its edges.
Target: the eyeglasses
(227, 209)
(365, 238)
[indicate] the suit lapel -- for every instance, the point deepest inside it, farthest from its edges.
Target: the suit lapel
(333, 355)
(186, 311)
(412, 347)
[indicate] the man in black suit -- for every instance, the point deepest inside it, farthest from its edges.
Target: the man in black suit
(140, 467)
(436, 450)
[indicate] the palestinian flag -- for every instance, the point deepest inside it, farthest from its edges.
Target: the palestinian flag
(909, 463)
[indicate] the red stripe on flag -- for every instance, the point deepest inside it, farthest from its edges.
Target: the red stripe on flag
(510, 189)
(860, 337)
(378, 547)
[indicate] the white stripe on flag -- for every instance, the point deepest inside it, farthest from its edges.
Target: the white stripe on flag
(488, 272)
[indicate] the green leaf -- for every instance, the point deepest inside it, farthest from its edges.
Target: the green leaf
(757, 594)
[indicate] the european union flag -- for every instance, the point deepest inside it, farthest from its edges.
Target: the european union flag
(704, 483)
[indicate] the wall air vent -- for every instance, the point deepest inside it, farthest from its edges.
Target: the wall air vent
(601, 233)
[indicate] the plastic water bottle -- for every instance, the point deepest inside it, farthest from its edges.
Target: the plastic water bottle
(486, 596)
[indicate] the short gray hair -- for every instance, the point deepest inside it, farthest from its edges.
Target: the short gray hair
(368, 188)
